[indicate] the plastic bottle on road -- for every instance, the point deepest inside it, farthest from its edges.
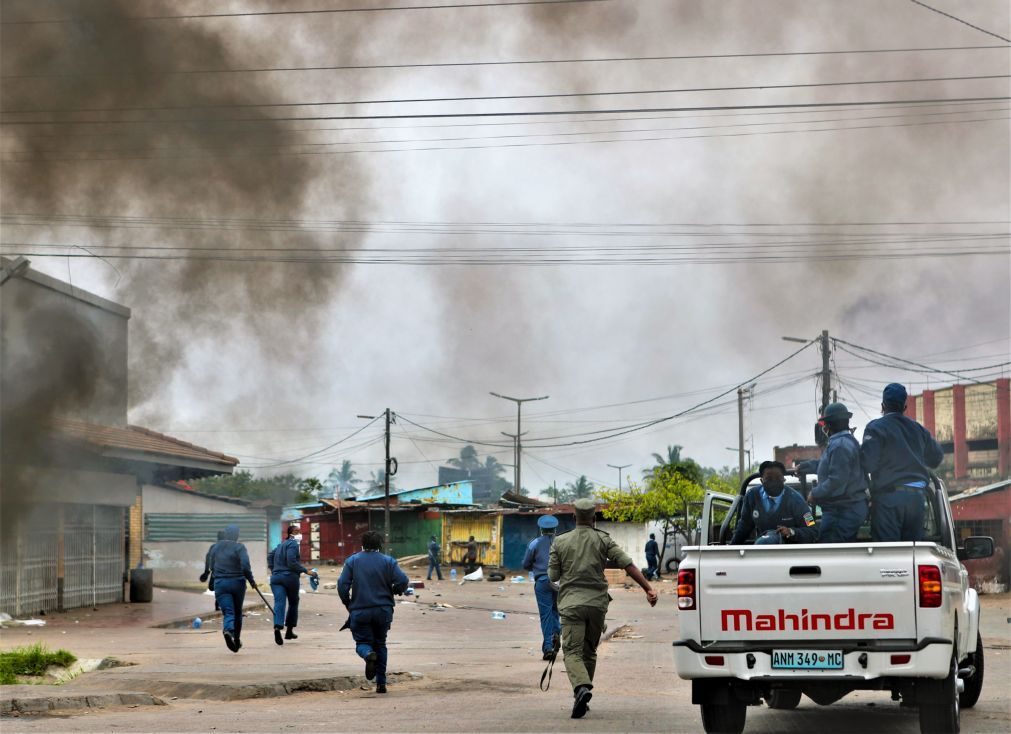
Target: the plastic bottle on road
(197, 623)
(498, 615)
(452, 574)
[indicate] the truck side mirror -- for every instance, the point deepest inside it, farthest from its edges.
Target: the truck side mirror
(977, 546)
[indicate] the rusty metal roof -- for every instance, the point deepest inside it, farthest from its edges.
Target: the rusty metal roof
(141, 440)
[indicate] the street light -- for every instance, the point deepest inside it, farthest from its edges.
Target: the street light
(519, 448)
(619, 468)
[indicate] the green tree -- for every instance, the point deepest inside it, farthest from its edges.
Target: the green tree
(668, 497)
(310, 489)
(282, 489)
(580, 488)
(343, 482)
(377, 485)
(683, 465)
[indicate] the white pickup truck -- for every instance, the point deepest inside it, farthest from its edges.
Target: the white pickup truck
(775, 622)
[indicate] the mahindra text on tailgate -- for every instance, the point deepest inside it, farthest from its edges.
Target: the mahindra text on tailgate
(828, 593)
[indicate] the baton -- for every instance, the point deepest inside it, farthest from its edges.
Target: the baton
(266, 603)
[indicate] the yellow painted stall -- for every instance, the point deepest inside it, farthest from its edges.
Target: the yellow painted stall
(486, 527)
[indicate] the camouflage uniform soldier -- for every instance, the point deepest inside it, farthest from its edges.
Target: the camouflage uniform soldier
(577, 563)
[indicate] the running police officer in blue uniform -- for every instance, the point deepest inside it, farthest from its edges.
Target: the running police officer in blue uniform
(898, 453)
(652, 557)
(777, 513)
(366, 586)
(206, 576)
(536, 562)
(231, 572)
(433, 559)
(842, 484)
(286, 568)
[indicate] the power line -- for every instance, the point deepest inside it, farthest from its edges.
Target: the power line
(320, 451)
(502, 97)
(928, 368)
(517, 62)
(527, 113)
(963, 22)
(39, 153)
(322, 11)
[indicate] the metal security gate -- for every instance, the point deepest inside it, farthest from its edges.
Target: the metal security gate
(81, 544)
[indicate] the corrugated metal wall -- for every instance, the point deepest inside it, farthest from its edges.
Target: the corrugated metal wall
(519, 530)
(82, 544)
(410, 531)
(168, 526)
(487, 531)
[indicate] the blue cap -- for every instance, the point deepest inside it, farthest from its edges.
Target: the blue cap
(547, 522)
(894, 393)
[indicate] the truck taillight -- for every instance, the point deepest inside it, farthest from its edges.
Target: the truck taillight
(930, 586)
(686, 588)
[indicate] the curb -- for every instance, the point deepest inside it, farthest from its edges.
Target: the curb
(243, 691)
(37, 705)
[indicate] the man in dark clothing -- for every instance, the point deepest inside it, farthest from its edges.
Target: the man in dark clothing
(286, 567)
(842, 484)
(777, 513)
(652, 557)
(206, 576)
(535, 560)
(898, 453)
(470, 560)
(231, 572)
(366, 586)
(433, 559)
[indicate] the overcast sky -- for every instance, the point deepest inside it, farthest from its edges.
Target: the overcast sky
(270, 362)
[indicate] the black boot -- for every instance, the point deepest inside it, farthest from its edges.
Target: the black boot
(380, 688)
(581, 704)
(370, 666)
(277, 636)
(290, 634)
(230, 641)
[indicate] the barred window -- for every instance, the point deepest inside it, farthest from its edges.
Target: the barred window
(967, 528)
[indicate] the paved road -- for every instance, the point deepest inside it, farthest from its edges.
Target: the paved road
(480, 675)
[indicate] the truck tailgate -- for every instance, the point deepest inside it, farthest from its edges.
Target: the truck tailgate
(811, 592)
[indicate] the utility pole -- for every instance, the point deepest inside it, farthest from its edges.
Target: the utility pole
(740, 433)
(516, 440)
(826, 373)
(519, 448)
(391, 469)
(619, 468)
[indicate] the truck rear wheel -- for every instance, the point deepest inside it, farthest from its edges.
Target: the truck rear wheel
(783, 698)
(724, 718)
(939, 705)
(974, 683)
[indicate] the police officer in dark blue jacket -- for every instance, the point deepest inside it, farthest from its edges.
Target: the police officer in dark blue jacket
(898, 453)
(286, 567)
(535, 560)
(366, 586)
(842, 485)
(777, 513)
(231, 572)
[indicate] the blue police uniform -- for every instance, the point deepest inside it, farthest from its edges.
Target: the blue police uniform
(433, 559)
(652, 558)
(535, 560)
(898, 453)
(763, 514)
(231, 572)
(286, 567)
(841, 490)
(366, 586)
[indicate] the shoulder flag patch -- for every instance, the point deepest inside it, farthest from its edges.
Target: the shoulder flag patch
(808, 519)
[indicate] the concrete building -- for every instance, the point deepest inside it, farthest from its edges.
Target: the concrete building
(987, 511)
(180, 525)
(71, 467)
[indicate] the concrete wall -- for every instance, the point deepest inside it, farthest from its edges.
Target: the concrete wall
(180, 562)
(39, 315)
(79, 487)
(630, 536)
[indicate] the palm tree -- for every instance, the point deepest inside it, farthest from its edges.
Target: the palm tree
(578, 489)
(673, 457)
(343, 482)
(377, 485)
(492, 465)
(468, 459)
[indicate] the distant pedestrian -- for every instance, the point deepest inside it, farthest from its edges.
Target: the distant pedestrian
(898, 453)
(231, 572)
(470, 559)
(434, 551)
(366, 586)
(536, 562)
(577, 563)
(652, 557)
(286, 568)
